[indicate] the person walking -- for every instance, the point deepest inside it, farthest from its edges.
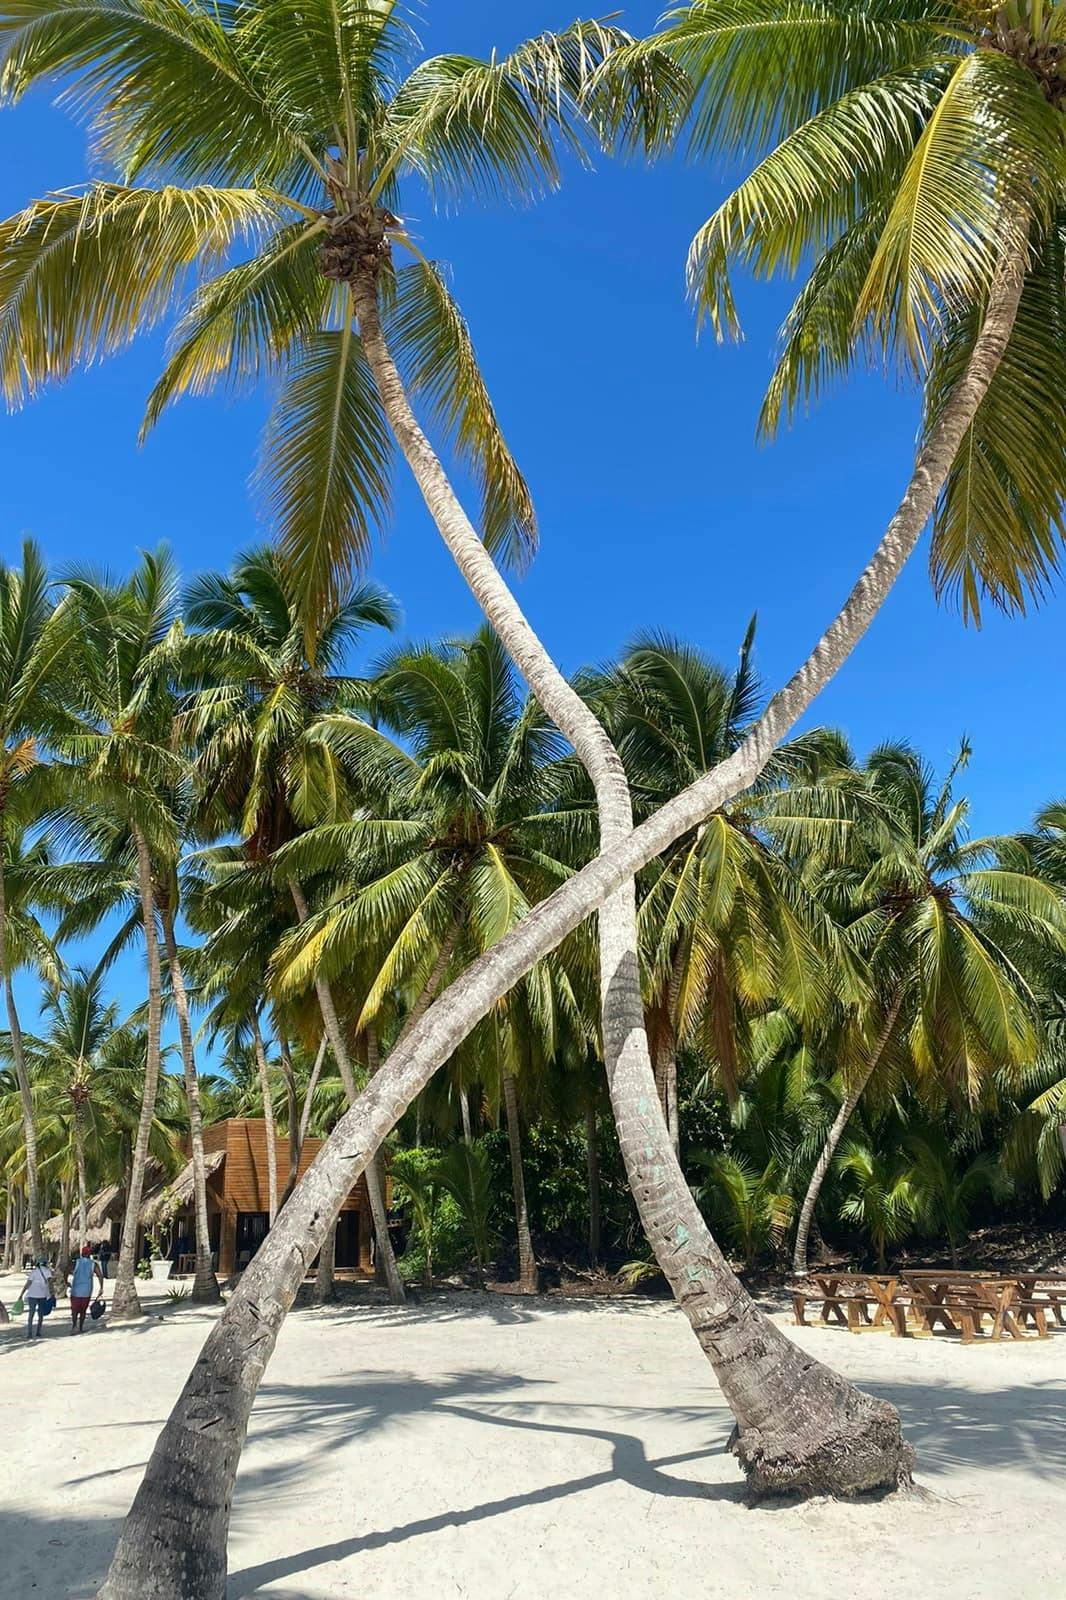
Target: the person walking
(38, 1295)
(81, 1287)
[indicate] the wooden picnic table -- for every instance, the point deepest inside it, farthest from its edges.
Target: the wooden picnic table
(955, 1299)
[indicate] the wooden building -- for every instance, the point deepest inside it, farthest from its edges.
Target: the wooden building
(238, 1199)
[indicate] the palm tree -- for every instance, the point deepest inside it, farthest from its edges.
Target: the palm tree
(269, 678)
(327, 296)
(80, 1021)
(33, 632)
(934, 917)
(463, 859)
(880, 1199)
(916, 155)
(116, 738)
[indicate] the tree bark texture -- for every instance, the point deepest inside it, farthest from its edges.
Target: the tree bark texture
(385, 1255)
(205, 1288)
(125, 1303)
(268, 1117)
(22, 1077)
(527, 1261)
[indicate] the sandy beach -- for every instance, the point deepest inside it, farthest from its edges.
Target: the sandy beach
(489, 1447)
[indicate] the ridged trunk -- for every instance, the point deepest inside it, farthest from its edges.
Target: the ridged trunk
(79, 1162)
(268, 1118)
(205, 1290)
(375, 1188)
(22, 1077)
(63, 1256)
(527, 1261)
(125, 1303)
(173, 1542)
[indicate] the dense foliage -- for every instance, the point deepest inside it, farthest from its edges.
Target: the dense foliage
(835, 933)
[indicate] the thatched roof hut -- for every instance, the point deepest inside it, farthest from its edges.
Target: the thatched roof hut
(161, 1204)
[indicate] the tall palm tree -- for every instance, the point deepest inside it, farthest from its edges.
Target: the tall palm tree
(116, 738)
(79, 1021)
(269, 675)
(934, 917)
(338, 121)
(33, 632)
(455, 853)
(915, 153)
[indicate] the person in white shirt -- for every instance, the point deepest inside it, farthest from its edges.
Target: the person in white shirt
(37, 1293)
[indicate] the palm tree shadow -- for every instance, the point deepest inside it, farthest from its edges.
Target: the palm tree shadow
(629, 1462)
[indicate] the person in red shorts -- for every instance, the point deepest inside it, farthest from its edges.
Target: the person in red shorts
(81, 1287)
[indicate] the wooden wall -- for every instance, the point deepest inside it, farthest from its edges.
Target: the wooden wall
(241, 1184)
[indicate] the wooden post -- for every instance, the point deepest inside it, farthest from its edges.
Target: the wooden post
(227, 1244)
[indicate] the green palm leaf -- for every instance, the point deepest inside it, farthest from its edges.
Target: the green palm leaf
(325, 461)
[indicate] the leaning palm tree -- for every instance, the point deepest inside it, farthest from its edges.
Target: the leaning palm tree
(32, 636)
(934, 917)
(170, 108)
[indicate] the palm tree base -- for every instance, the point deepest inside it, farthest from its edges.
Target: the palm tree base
(125, 1305)
(205, 1290)
(861, 1452)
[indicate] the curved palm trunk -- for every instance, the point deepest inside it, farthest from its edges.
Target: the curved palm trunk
(385, 1255)
(22, 1077)
(268, 1118)
(592, 1168)
(124, 1300)
(79, 1160)
(205, 1288)
(173, 1541)
(527, 1261)
(794, 1430)
(829, 1149)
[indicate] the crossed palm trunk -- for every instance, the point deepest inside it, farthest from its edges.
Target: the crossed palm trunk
(803, 1428)
(762, 1374)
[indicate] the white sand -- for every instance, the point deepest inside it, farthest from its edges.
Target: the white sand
(512, 1451)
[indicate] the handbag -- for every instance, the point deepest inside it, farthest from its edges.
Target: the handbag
(19, 1307)
(49, 1306)
(97, 1309)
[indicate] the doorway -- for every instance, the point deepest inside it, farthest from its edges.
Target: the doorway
(347, 1240)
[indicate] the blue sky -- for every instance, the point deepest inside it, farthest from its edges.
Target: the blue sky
(657, 507)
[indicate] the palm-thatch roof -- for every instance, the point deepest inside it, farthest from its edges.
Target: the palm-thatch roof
(170, 1197)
